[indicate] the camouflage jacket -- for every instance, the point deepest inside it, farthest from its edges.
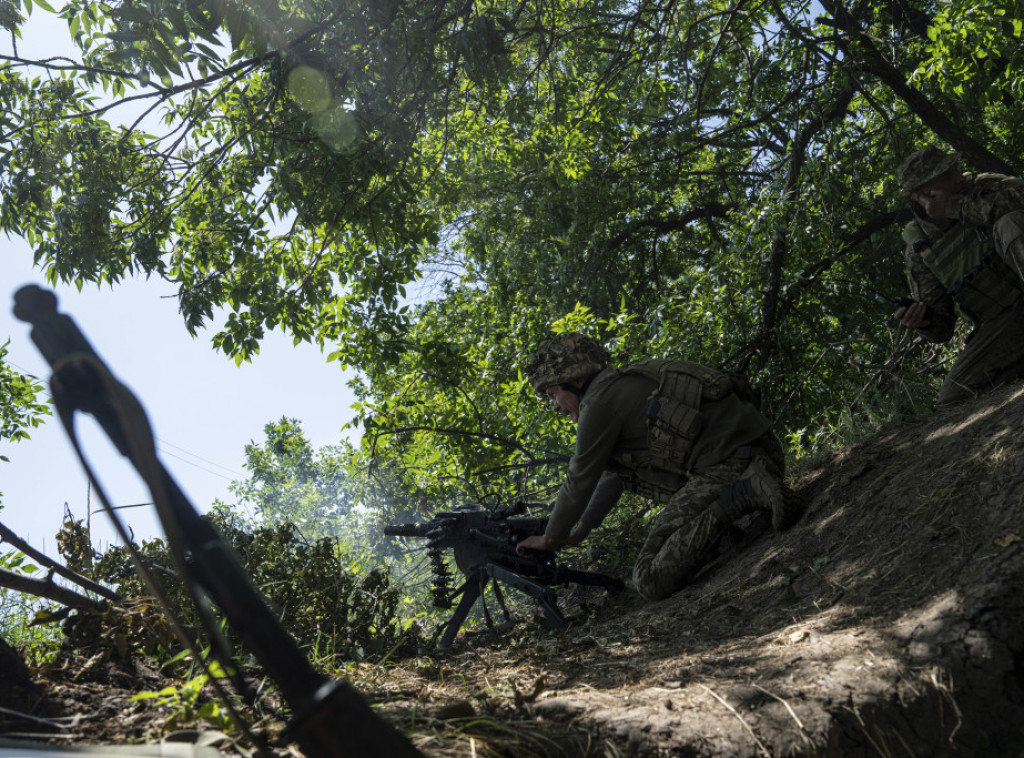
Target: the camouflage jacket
(956, 264)
(612, 445)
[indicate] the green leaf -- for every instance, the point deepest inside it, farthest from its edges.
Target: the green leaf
(133, 13)
(145, 695)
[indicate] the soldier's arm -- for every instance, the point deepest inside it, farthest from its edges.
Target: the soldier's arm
(926, 288)
(605, 496)
(596, 434)
(929, 290)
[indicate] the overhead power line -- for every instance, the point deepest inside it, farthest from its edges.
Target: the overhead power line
(234, 473)
(196, 465)
(162, 442)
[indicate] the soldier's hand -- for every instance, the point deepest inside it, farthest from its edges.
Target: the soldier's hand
(916, 316)
(537, 542)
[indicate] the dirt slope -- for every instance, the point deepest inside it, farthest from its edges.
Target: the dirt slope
(889, 622)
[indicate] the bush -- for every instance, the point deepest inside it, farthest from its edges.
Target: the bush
(318, 593)
(17, 611)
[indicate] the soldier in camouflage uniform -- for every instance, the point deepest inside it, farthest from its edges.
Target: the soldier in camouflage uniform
(965, 250)
(675, 432)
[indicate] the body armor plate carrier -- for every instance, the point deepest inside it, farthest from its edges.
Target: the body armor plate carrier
(972, 272)
(673, 418)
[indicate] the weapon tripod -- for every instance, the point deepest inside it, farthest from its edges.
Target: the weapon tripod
(484, 547)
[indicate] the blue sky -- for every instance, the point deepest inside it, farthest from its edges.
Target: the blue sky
(203, 408)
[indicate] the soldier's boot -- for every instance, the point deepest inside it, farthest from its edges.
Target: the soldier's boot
(757, 489)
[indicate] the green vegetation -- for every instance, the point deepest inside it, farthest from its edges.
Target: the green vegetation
(18, 611)
(290, 483)
(334, 606)
(186, 707)
(20, 409)
(427, 189)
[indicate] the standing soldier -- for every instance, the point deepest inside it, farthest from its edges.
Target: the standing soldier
(676, 432)
(965, 247)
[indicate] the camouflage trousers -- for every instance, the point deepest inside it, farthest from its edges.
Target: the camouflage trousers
(686, 533)
(994, 353)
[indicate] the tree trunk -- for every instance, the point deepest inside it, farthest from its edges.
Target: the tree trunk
(933, 116)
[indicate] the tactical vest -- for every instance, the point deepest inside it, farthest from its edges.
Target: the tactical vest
(965, 261)
(673, 421)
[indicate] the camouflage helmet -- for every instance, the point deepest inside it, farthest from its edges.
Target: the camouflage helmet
(923, 166)
(563, 358)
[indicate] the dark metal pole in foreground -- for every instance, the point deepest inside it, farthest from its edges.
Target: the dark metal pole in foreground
(330, 718)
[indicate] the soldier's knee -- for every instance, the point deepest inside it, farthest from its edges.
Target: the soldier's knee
(652, 592)
(660, 583)
(654, 589)
(643, 579)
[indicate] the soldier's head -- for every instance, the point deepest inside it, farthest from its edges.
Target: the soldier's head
(561, 368)
(926, 169)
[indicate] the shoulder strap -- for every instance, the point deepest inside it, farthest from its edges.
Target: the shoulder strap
(692, 382)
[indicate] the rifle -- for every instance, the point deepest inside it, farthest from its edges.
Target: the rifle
(330, 718)
(483, 545)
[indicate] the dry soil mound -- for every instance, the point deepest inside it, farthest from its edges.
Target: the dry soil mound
(888, 622)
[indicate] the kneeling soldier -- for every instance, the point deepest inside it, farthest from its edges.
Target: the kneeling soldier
(965, 252)
(673, 431)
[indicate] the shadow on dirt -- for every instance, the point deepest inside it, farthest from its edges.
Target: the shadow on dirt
(889, 621)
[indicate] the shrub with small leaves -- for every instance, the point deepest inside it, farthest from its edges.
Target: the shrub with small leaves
(75, 547)
(318, 593)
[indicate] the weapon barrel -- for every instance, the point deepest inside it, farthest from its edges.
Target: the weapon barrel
(409, 530)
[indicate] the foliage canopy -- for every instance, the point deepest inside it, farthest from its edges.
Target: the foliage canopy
(20, 409)
(710, 179)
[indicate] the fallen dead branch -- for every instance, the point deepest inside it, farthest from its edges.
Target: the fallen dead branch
(6, 535)
(47, 589)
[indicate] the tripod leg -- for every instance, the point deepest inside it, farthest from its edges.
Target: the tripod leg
(545, 596)
(501, 601)
(554, 616)
(483, 602)
(471, 591)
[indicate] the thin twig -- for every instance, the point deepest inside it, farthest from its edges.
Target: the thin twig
(799, 723)
(30, 717)
(743, 721)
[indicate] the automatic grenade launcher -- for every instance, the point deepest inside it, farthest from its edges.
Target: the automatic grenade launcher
(483, 545)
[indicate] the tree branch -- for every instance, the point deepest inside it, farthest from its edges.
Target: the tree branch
(932, 116)
(764, 342)
(6, 535)
(45, 588)
(665, 225)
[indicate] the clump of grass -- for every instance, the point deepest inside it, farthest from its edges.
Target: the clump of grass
(874, 411)
(37, 643)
